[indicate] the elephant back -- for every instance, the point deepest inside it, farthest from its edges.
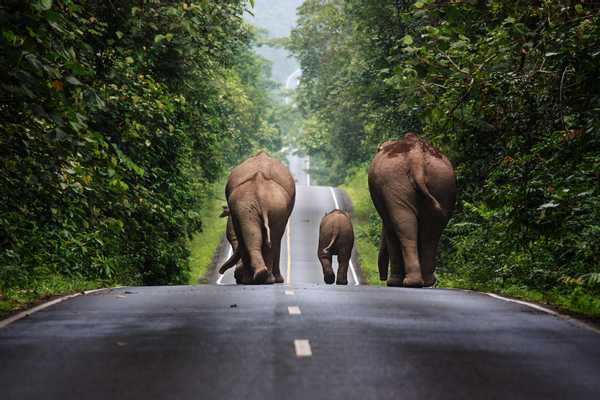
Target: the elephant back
(269, 167)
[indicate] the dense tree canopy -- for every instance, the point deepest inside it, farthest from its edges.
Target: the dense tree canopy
(508, 89)
(115, 118)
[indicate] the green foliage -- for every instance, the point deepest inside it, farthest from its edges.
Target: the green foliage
(509, 90)
(116, 118)
(366, 223)
(203, 244)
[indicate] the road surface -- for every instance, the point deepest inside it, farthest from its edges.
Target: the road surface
(302, 340)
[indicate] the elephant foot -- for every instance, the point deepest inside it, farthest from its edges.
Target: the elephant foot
(261, 275)
(429, 280)
(328, 276)
(341, 281)
(242, 275)
(270, 279)
(414, 281)
(238, 274)
(395, 280)
(279, 278)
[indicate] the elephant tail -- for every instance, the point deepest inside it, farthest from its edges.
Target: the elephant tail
(331, 242)
(235, 257)
(417, 173)
(265, 218)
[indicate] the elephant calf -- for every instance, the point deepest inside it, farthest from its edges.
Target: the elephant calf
(336, 237)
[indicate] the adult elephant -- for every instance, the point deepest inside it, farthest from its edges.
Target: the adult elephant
(260, 195)
(413, 188)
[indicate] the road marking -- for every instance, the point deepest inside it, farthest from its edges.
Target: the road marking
(294, 310)
(289, 253)
(221, 276)
(352, 270)
(574, 321)
(288, 82)
(289, 292)
(302, 347)
(524, 303)
(335, 202)
(27, 313)
(307, 169)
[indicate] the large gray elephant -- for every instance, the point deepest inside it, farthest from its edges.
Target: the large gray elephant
(260, 194)
(413, 188)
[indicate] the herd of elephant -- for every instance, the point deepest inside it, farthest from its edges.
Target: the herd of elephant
(413, 188)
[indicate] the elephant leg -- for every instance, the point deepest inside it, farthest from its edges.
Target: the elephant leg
(253, 240)
(278, 233)
(243, 273)
(406, 226)
(276, 259)
(268, 255)
(343, 264)
(384, 257)
(393, 246)
(430, 231)
(328, 274)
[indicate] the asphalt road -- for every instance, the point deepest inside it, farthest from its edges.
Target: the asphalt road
(303, 340)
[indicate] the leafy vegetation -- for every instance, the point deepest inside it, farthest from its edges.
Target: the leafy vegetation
(509, 90)
(204, 244)
(116, 118)
(365, 221)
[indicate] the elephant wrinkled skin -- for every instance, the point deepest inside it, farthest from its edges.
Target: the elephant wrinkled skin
(336, 237)
(260, 195)
(413, 188)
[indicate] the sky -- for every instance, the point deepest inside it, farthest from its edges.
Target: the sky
(277, 17)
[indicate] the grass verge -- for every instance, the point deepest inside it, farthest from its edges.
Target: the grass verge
(45, 289)
(572, 301)
(202, 247)
(204, 243)
(363, 213)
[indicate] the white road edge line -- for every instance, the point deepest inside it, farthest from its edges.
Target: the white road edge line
(302, 347)
(221, 276)
(289, 292)
(524, 303)
(4, 323)
(294, 310)
(307, 169)
(574, 321)
(352, 270)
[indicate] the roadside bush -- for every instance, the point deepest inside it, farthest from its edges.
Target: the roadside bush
(509, 90)
(115, 119)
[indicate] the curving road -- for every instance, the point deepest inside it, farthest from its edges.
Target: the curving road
(302, 340)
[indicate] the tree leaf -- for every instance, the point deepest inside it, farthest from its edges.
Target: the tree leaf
(73, 81)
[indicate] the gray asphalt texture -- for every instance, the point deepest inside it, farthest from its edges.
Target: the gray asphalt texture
(237, 342)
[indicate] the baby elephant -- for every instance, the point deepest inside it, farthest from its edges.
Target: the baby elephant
(336, 237)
